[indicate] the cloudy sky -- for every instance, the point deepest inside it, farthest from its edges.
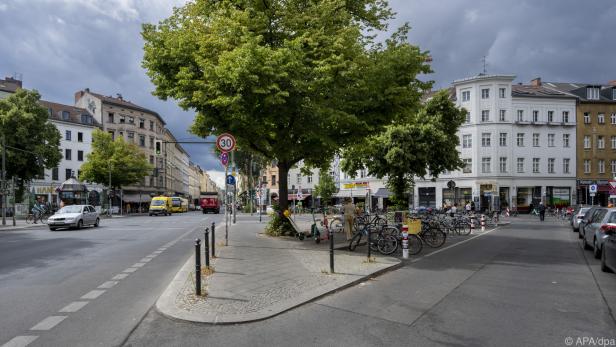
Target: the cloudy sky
(61, 46)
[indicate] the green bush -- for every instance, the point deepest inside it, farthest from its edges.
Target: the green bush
(278, 225)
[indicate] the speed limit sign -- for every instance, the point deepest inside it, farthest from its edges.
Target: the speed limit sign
(225, 142)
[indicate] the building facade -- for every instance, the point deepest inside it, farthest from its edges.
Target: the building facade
(8, 86)
(176, 166)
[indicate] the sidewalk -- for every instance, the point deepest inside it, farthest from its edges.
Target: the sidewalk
(257, 277)
(20, 224)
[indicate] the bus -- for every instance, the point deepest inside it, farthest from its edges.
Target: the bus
(179, 205)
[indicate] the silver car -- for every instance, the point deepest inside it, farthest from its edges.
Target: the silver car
(578, 218)
(595, 231)
(74, 216)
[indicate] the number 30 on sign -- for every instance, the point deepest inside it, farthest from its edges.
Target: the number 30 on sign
(225, 142)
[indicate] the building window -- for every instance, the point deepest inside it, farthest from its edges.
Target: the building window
(122, 119)
(613, 140)
(131, 137)
(468, 117)
(520, 140)
(586, 117)
(601, 118)
(613, 118)
(503, 164)
(67, 135)
(65, 115)
(152, 159)
(86, 119)
(565, 140)
(486, 139)
(520, 115)
(551, 165)
(67, 154)
(536, 165)
(600, 142)
(485, 115)
(274, 180)
(309, 179)
(466, 95)
(152, 125)
(551, 140)
(566, 165)
(68, 173)
(586, 166)
(299, 178)
(503, 140)
(565, 116)
(485, 165)
(587, 143)
(550, 116)
(467, 141)
(501, 92)
(131, 120)
(502, 115)
(110, 117)
(535, 140)
(142, 140)
(613, 165)
(601, 166)
(151, 142)
(520, 165)
(592, 93)
(112, 133)
(485, 93)
(535, 116)
(54, 174)
(79, 137)
(79, 155)
(468, 165)
(141, 123)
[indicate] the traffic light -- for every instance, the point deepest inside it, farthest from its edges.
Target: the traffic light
(159, 144)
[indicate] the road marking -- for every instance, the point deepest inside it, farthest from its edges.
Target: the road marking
(119, 277)
(108, 284)
(130, 270)
(145, 260)
(74, 306)
(48, 323)
(138, 265)
(161, 249)
(454, 245)
(20, 341)
(93, 294)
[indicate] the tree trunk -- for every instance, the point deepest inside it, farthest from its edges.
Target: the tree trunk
(283, 189)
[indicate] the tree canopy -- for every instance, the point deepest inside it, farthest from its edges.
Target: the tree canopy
(291, 80)
(33, 142)
(423, 144)
(127, 163)
(326, 188)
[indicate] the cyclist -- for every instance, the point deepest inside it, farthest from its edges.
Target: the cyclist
(38, 209)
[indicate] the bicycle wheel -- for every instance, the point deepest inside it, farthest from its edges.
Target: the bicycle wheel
(355, 240)
(387, 244)
(434, 237)
(43, 218)
(415, 244)
(464, 228)
(29, 219)
(336, 225)
(374, 236)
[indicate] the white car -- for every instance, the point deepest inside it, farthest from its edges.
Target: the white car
(74, 216)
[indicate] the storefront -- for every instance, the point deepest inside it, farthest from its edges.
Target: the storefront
(601, 197)
(527, 198)
(427, 197)
(558, 196)
(73, 192)
(459, 196)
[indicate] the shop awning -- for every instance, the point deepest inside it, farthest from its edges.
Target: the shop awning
(135, 198)
(294, 197)
(382, 193)
(347, 193)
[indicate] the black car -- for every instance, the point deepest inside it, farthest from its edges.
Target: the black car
(608, 254)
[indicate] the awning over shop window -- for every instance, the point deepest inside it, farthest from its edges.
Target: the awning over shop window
(382, 193)
(134, 198)
(347, 193)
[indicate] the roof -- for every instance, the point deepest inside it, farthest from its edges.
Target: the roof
(578, 90)
(483, 76)
(531, 91)
(119, 101)
(75, 113)
(430, 94)
(9, 85)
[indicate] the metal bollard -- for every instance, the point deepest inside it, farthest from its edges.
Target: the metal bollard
(369, 244)
(198, 267)
(213, 240)
(331, 249)
(206, 247)
(483, 222)
(405, 241)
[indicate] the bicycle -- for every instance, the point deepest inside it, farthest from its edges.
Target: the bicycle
(357, 236)
(390, 240)
(432, 234)
(32, 218)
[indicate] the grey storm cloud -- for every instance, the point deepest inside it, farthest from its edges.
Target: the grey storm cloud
(61, 46)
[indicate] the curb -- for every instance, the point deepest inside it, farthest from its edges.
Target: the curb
(165, 304)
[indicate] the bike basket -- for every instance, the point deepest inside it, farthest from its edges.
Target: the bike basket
(414, 225)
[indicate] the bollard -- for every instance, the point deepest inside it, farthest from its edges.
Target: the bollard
(213, 240)
(472, 223)
(483, 222)
(198, 267)
(206, 247)
(369, 242)
(405, 241)
(331, 249)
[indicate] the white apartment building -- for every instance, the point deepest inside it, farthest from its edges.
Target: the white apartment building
(518, 143)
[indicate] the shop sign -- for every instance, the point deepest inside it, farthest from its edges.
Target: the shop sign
(355, 185)
(45, 190)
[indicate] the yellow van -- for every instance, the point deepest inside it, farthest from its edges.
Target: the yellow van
(161, 205)
(179, 205)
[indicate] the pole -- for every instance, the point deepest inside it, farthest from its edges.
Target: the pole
(251, 185)
(234, 192)
(331, 248)
(109, 191)
(226, 201)
(213, 240)
(198, 267)
(260, 200)
(13, 188)
(206, 248)
(3, 180)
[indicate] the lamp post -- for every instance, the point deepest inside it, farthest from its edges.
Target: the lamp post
(109, 193)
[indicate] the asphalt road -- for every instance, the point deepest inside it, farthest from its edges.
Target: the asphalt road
(90, 287)
(527, 284)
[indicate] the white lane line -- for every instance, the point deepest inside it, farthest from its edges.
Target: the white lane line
(48, 323)
(130, 270)
(119, 277)
(157, 252)
(20, 341)
(74, 306)
(93, 294)
(107, 284)
(145, 260)
(138, 265)
(161, 249)
(454, 245)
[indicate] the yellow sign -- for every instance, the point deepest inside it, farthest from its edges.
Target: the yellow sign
(355, 185)
(45, 190)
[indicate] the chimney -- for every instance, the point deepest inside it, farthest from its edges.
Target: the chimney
(536, 82)
(78, 95)
(119, 96)
(612, 83)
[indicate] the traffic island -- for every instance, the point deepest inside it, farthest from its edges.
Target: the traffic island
(256, 278)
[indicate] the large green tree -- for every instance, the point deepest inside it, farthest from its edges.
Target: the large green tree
(33, 142)
(422, 144)
(125, 161)
(291, 79)
(326, 188)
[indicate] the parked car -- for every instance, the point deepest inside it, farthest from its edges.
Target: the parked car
(160, 205)
(577, 218)
(74, 216)
(586, 220)
(608, 255)
(595, 231)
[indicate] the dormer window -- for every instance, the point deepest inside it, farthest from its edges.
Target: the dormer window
(592, 93)
(65, 115)
(614, 93)
(86, 119)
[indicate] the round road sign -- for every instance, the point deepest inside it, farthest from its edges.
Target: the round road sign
(224, 158)
(225, 142)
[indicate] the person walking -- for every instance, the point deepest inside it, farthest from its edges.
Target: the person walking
(541, 211)
(349, 217)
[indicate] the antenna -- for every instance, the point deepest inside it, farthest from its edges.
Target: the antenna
(485, 64)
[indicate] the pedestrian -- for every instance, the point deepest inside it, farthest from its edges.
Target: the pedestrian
(473, 206)
(349, 217)
(467, 207)
(541, 211)
(454, 209)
